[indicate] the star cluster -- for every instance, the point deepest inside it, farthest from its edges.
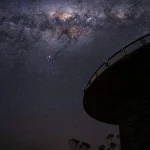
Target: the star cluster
(60, 27)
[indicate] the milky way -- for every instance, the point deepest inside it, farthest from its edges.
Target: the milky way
(48, 51)
(61, 25)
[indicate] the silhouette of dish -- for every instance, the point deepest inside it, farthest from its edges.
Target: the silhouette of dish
(117, 85)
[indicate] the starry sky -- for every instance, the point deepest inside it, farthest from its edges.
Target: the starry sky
(49, 49)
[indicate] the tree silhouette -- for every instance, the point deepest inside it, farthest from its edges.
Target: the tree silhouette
(73, 143)
(101, 147)
(113, 145)
(110, 137)
(86, 146)
(77, 145)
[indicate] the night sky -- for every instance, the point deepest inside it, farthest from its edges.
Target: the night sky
(48, 51)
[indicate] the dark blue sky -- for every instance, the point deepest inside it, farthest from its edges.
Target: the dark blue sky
(42, 78)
